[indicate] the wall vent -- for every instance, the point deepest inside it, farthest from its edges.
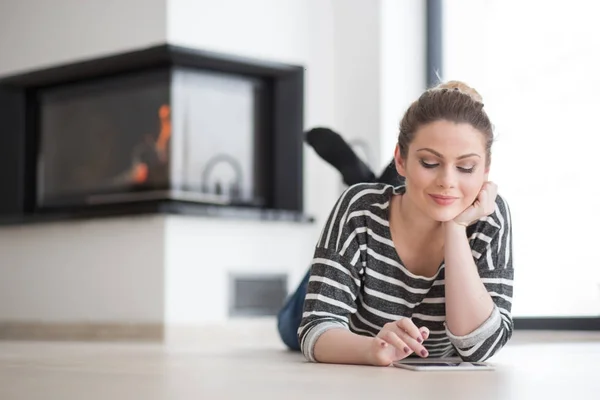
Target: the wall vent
(256, 294)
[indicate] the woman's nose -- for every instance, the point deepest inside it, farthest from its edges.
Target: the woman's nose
(446, 178)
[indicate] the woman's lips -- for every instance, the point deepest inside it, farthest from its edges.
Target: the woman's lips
(443, 200)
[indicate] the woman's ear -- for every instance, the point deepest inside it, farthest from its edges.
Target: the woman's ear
(399, 161)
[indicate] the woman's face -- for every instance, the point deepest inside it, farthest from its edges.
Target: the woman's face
(445, 168)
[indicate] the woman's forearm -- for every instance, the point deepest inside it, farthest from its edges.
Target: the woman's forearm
(340, 346)
(468, 304)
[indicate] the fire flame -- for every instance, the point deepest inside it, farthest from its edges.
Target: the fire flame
(164, 113)
(141, 170)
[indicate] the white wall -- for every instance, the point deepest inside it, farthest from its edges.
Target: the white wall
(36, 34)
(539, 82)
(267, 29)
(402, 74)
(357, 50)
(83, 271)
(201, 253)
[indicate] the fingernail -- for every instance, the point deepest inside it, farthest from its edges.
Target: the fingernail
(420, 339)
(424, 353)
(406, 349)
(383, 344)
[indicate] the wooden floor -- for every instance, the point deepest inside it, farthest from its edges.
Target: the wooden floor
(246, 361)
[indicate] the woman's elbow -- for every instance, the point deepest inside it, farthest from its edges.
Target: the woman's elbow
(485, 350)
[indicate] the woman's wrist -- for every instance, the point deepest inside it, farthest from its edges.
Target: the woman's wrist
(369, 355)
(454, 226)
(340, 346)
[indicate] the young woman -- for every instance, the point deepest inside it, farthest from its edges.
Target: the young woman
(423, 269)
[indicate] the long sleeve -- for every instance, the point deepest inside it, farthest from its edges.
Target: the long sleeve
(335, 274)
(491, 245)
(330, 299)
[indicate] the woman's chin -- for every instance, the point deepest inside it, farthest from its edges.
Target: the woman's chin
(443, 219)
(444, 215)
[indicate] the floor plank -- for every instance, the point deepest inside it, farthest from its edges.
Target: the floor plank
(232, 363)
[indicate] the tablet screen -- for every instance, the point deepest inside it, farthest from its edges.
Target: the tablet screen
(442, 364)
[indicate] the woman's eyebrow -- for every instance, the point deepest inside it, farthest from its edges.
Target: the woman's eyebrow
(441, 156)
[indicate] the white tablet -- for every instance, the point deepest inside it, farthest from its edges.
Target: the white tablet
(442, 365)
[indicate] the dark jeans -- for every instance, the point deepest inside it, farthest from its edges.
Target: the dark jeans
(290, 316)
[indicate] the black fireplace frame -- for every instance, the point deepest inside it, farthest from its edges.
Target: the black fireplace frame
(19, 133)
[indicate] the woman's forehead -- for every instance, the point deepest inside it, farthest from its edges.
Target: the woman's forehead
(450, 137)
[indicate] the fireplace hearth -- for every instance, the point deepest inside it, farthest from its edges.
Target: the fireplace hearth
(158, 127)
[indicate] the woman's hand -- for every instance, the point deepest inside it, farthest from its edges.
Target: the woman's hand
(396, 341)
(484, 205)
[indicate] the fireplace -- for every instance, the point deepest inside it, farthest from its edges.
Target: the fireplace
(164, 125)
(104, 138)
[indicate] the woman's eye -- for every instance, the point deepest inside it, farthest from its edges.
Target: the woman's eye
(466, 170)
(428, 165)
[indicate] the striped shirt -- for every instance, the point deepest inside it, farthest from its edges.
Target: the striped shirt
(357, 280)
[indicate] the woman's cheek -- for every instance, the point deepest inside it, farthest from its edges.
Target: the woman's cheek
(473, 191)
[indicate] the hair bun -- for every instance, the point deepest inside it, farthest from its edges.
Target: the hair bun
(461, 87)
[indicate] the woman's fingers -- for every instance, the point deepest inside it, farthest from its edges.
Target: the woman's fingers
(424, 332)
(483, 201)
(412, 336)
(492, 193)
(406, 325)
(405, 337)
(393, 339)
(414, 345)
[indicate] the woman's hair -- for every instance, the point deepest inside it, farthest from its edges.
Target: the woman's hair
(452, 101)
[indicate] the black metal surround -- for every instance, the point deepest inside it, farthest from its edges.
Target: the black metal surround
(19, 142)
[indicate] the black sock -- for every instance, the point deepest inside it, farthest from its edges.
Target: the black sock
(332, 148)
